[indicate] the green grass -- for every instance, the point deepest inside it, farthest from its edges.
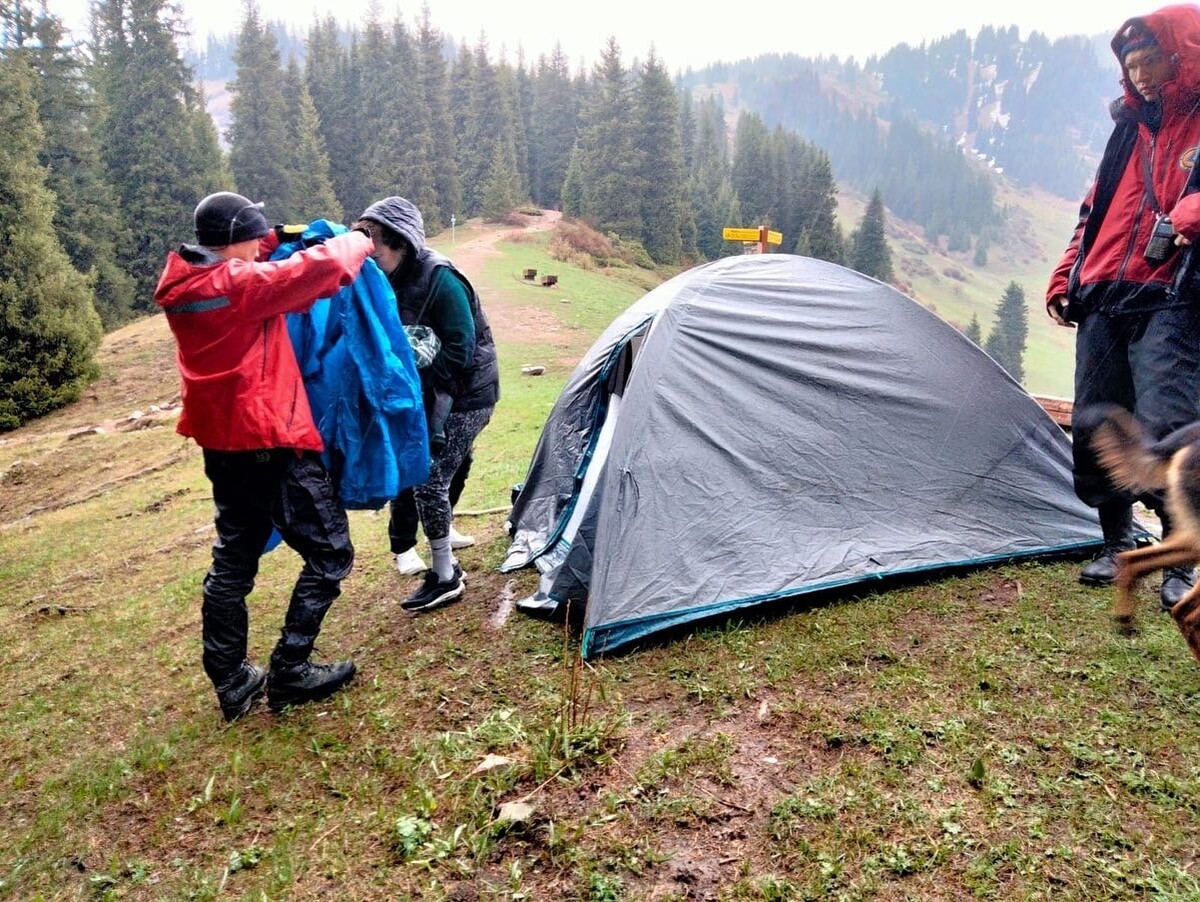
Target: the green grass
(988, 735)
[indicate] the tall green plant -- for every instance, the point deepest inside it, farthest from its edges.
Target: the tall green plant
(157, 142)
(49, 328)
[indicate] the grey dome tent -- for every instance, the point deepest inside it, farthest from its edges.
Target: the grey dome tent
(766, 426)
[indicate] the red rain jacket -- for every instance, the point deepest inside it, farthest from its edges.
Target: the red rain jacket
(242, 389)
(1113, 263)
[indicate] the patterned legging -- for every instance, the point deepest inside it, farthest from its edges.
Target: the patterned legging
(433, 498)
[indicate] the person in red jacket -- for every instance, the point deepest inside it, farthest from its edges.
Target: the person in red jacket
(245, 404)
(1128, 280)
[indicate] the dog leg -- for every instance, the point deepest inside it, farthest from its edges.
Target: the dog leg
(1133, 565)
(1186, 615)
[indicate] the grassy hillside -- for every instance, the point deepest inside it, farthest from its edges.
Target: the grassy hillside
(984, 736)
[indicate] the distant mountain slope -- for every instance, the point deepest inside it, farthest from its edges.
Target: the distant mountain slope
(1035, 109)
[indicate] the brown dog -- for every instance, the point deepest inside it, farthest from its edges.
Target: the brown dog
(1170, 466)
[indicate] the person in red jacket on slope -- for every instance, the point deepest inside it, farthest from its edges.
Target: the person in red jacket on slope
(1128, 279)
(245, 404)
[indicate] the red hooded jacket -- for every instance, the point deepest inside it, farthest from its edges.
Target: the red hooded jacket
(1117, 216)
(242, 389)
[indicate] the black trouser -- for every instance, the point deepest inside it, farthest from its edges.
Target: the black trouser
(404, 519)
(1148, 363)
(255, 491)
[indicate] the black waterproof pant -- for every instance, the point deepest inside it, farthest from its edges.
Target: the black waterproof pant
(255, 491)
(404, 519)
(1148, 363)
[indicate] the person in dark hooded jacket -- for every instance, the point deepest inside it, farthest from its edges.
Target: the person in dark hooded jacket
(461, 384)
(1128, 280)
(245, 404)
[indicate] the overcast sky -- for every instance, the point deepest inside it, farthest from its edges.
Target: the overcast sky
(683, 34)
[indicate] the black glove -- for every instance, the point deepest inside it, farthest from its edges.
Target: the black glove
(290, 231)
(437, 414)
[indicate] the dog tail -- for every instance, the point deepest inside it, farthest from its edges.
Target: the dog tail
(1131, 461)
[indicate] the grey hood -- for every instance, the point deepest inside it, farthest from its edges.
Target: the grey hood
(400, 215)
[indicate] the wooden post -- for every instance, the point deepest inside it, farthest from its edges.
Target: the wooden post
(762, 239)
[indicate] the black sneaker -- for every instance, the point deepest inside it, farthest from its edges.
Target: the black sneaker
(307, 682)
(436, 592)
(1177, 582)
(239, 693)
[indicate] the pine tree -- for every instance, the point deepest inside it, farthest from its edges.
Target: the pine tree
(818, 199)
(1010, 330)
(333, 76)
(257, 133)
(502, 194)
(572, 186)
(553, 130)
(711, 195)
(87, 219)
(49, 329)
(656, 139)
(488, 120)
(311, 190)
(974, 330)
(158, 144)
(870, 254)
(611, 164)
(436, 93)
(754, 178)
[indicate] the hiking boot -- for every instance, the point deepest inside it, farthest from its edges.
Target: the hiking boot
(307, 682)
(458, 540)
(1177, 582)
(1103, 570)
(238, 694)
(409, 562)
(1116, 522)
(436, 592)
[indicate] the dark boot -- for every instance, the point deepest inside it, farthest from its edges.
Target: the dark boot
(1177, 581)
(296, 684)
(1116, 521)
(238, 694)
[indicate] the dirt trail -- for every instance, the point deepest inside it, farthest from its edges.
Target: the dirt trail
(476, 241)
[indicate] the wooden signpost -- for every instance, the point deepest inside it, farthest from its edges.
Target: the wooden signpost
(762, 235)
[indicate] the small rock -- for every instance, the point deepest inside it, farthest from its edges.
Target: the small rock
(515, 812)
(491, 762)
(532, 370)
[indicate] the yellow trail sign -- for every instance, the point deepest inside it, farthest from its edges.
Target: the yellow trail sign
(740, 234)
(751, 235)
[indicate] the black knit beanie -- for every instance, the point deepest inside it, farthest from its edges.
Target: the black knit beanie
(226, 218)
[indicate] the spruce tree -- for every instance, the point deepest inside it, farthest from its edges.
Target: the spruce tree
(754, 177)
(502, 193)
(258, 135)
(157, 142)
(553, 128)
(819, 202)
(612, 165)
(1010, 330)
(87, 218)
(974, 330)
(488, 120)
(436, 93)
(660, 151)
(49, 329)
(311, 190)
(571, 194)
(870, 253)
(333, 77)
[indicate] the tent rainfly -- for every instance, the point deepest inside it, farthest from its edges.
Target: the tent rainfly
(766, 426)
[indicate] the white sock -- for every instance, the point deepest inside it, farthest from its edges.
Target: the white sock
(443, 560)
